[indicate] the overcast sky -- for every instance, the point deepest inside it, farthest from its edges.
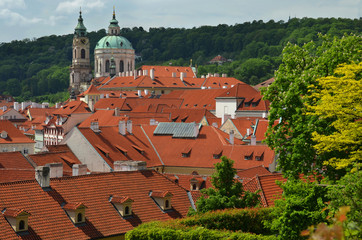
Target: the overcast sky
(21, 19)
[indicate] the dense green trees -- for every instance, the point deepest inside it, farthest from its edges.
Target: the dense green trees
(292, 137)
(226, 192)
(263, 42)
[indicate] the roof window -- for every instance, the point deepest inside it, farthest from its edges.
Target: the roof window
(76, 212)
(17, 218)
(122, 204)
(162, 199)
(248, 156)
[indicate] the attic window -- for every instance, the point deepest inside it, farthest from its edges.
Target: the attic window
(217, 154)
(162, 199)
(259, 156)
(186, 105)
(248, 156)
(247, 104)
(122, 204)
(140, 150)
(103, 150)
(18, 219)
(76, 212)
(186, 152)
(121, 149)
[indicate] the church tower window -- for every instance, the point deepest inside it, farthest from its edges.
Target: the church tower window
(107, 66)
(75, 53)
(82, 54)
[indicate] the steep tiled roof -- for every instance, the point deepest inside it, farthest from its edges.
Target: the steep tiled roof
(264, 84)
(267, 184)
(105, 144)
(14, 160)
(92, 90)
(111, 103)
(249, 173)
(221, 82)
(10, 212)
(73, 107)
(67, 158)
(94, 191)
(14, 135)
(11, 175)
(188, 115)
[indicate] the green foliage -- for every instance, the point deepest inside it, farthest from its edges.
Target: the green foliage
(226, 224)
(291, 138)
(340, 99)
(227, 192)
(302, 205)
(348, 192)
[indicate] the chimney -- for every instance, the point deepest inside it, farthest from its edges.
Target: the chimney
(16, 106)
(253, 140)
(94, 126)
(107, 95)
(202, 76)
(182, 76)
(248, 131)
(145, 72)
(122, 127)
(139, 93)
(91, 105)
(56, 169)
(129, 126)
(116, 112)
(130, 165)
(79, 169)
(101, 96)
(135, 74)
(139, 72)
(216, 75)
(146, 92)
(152, 122)
(224, 75)
(152, 74)
(214, 124)
(42, 176)
(127, 73)
(231, 137)
(265, 115)
(57, 105)
(174, 74)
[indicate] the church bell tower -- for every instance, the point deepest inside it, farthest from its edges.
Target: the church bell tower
(80, 71)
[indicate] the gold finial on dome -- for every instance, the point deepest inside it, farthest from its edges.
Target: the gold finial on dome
(114, 12)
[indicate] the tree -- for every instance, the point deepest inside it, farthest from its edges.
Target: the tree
(227, 192)
(302, 205)
(340, 99)
(292, 137)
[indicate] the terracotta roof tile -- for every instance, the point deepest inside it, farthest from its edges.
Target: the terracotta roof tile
(14, 135)
(72, 107)
(166, 71)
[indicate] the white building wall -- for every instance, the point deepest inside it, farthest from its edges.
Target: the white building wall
(18, 147)
(225, 106)
(85, 152)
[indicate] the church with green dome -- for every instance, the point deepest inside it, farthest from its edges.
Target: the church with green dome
(113, 47)
(113, 55)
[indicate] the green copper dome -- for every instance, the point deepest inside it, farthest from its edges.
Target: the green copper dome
(117, 42)
(80, 30)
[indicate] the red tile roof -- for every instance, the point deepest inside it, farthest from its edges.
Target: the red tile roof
(72, 107)
(166, 71)
(188, 115)
(14, 160)
(92, 90)
(264, 84)
(11, 175)
(221, 82)
(74, 206)
(10, 212)
(14, 135)
(249, 173)
(161, 194)
(94, 191)
(119, 199)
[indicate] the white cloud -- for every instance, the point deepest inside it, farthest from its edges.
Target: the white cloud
(12, 4)
(14, 18)
(69, 6)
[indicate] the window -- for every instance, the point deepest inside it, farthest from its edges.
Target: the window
(75, 53)
(107, 66)
(167, 204)
(126, 211)
(21, 225)
(248, 157)
(79, 217)
(26, 151)
(82, 53)
(194, 187)
(247, 104)
(121, 66)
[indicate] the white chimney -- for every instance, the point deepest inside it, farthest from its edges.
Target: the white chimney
(202, 76)
(253, 140)
(152, 74)
(173, 74)
(107, 95)
(16, 106)
(182, 76)
(139, 72)
(91, 105)
(79, 169)
(248, 131)
(116, 112)
(56, 169)
(139, 93)
(146, 92)
(135, 74)
(216, 75)
(101, 96)
(33, 105)
(145, 72)
(42, 176)
(265, 115)
(122, 127)
(57, 105)
(214, 124)
(231, 137)
(94, 126)
(224, 75)
(152, 122)
(129, 126)
(131, 73)
(130, 165)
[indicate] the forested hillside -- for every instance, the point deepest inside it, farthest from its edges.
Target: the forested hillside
(41, 66)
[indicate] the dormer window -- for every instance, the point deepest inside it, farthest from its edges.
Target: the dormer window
(196, 183)
(76, 212)
(248, 156)
(122, 204)
(186, 152)
(18, 219)
(217, 153)
(162, 199)
(259, 156)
